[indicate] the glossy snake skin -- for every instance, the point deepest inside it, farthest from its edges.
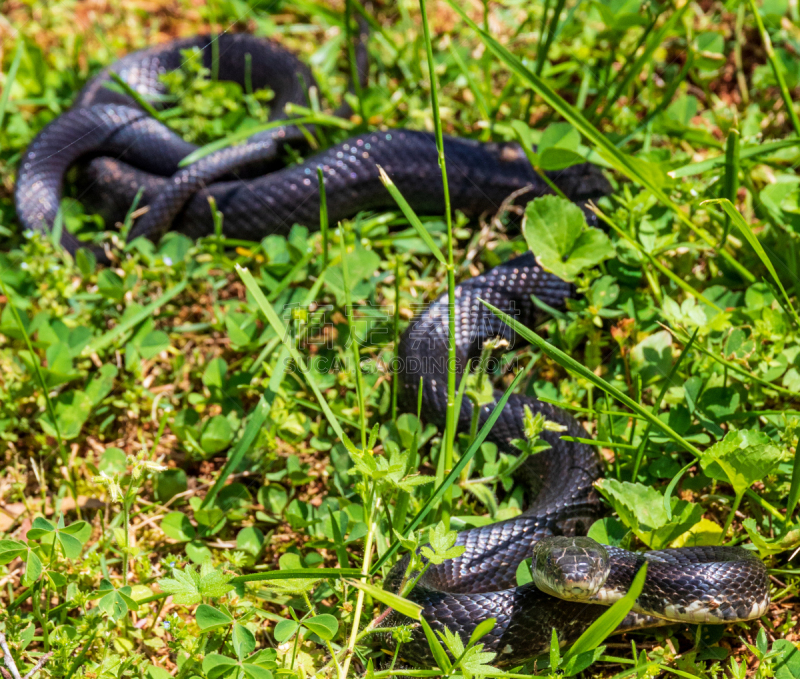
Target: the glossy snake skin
(120, 149)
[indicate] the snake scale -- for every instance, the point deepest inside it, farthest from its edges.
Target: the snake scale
(122, 149)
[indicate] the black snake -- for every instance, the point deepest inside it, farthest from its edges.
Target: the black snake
(123, 149)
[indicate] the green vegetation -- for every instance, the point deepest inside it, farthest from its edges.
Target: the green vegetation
(196, 482)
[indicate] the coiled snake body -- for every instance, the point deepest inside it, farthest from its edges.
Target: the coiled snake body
(124, 149)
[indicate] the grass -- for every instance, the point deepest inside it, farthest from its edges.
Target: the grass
(196, 481)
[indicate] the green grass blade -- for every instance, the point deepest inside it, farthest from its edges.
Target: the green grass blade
(282, 332)
(682, 284)
(657, 405)
(324, 223)
(348, 307)
(643, 59)
(569, 363)
(750, 237)
(439, 654)
(236, 137)
(450, 418)
(411, 216)
(10, 78)
(299, 573)
(136, 96)
(731, 180)
(39, 376)
(392, 600)
(457, 469)
(610, 620)
(108, 338)
(794, 489)
(735, 367)
(480, 100)
(776, 68)
(622, 162)
(745, 153)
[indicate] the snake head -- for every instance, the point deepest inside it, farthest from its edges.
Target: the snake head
(570, 568)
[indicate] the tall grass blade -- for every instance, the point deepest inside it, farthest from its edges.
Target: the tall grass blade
(745, 153)
(411, 216)
(282, 332)
(643, 59)
(730, 185)
(466, 458)
(570, 364)
(450, 419)
(298, 573)
(777, 68)
(259, 414)
(657, 404)
(610, 620)
(682, 284)
(622, 162)
(108, 338)
(735, 367)
(348, 302)
(10, 78)
(324, 223)
(46, 393)
(750, 237)
(392, 600)
(136, 96)
(794, 489)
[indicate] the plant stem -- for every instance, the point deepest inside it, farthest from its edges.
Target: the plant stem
(353, 341)
(450, 429)
(323, 217)
(360, 599)
(737, 500)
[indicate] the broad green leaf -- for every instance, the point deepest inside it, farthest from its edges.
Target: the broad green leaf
(787, 540)
(642, 509)
(213, 582)
(556, 231)
(184, 586)
(33, 569)
(285, 630)
(208, 617)
(787, 659)
(40, 528)
(10, 550)
(244, 643)
(324, 626)
(153, 344)
(255, 671)
(481, 630)
(115, 602)
(72, 409)
(251, 540)
(741, 458)
(608, 531)
(176, 525)
(72, 546)
(217, 434)
(216, 665)
(102, 384)
(703, 533)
